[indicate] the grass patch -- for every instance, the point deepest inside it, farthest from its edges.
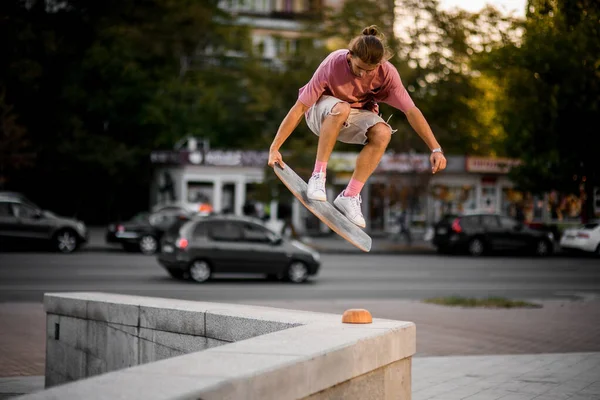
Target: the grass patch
(490, 302)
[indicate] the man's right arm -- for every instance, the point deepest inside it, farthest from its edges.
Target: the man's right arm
(289, 123)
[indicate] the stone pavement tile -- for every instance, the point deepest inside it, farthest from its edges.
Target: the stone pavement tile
(593, 389)
(517, 396)
(22, 339)
(516, 377)
(14, 386)
(547, 396)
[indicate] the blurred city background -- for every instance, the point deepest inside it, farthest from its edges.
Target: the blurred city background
(135, 135)
(111, 108)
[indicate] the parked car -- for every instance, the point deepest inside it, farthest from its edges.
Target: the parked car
(144, 231)
(22, 223)
(233, 244)
(585, 238)
(480, 233)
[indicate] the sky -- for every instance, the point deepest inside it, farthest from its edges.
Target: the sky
(518, 6)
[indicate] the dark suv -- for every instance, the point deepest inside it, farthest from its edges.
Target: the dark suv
(24, 223)
(232, 244)
(144, 231)
(480, 233)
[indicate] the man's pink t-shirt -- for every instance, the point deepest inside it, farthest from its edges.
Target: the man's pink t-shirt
(335, 78)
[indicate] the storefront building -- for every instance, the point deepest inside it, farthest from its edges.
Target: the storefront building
(225, 181)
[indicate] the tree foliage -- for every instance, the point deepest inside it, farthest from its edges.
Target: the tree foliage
(551, 100)
(92, 87)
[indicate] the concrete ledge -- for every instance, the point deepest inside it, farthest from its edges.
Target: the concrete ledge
(150, 348)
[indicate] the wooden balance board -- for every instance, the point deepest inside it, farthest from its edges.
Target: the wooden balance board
(324, 210)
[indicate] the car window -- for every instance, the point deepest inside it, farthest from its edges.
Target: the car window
(590, 226)
(508, 223)
(200, 230)
(24, 211)
(490, 221)
(5, 210)
(256, 233)
(225, 230)
(164, 218)
(472, 221)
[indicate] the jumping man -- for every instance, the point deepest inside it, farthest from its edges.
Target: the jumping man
(340, 102)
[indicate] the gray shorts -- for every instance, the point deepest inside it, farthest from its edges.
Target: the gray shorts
(356, 126)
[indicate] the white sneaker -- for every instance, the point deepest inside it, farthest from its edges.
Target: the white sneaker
(350, 207)
(316, 187)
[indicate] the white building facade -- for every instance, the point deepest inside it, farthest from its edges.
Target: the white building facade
(227, 180)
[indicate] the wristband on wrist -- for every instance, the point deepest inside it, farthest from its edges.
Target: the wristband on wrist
(438, 150)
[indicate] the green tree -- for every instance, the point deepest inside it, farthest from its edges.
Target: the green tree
(436, 49)
(15, 147)
(552, 97)
(433, 51)
(98, 85)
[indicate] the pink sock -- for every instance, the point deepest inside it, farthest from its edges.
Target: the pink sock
(320, 167)
(353, 188)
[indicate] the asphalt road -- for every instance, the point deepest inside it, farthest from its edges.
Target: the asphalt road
(389, 286)
(26, 276)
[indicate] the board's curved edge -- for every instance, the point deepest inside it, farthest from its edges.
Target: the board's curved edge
(366, 247)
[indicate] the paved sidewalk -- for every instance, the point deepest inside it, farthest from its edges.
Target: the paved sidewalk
(18, 385)
(574, 376)
(441, 368)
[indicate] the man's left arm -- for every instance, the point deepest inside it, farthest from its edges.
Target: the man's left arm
(398, 97)
(419, 124)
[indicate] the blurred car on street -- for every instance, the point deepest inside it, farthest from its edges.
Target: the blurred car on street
(234, 244)
(200, 208)
(143, 232)
(480, 233)
(585, 238)
(23, 223)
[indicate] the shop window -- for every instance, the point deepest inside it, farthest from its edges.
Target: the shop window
(228, 198)
(200, 192)
(453, 199)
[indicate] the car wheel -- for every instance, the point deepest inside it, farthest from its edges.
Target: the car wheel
(200, 271)
(148, 244)
(543, 248)
(297, 272)
(65, 241)
(476, 247)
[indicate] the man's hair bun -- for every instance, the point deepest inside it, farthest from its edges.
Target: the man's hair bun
(371, 31)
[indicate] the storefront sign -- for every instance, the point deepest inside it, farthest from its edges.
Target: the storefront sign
(339, 161)
(223, 158)
(404, 163)
(490, 165)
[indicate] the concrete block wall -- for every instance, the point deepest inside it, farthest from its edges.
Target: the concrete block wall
(141, 347)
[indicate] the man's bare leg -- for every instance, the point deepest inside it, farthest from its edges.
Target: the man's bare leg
(349, 201)
(330, 129)
(379, 137)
